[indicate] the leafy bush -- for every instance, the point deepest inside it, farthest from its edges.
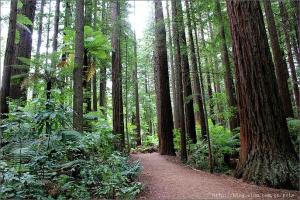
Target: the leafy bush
(223, 143)
(150, 140)
(62, 164)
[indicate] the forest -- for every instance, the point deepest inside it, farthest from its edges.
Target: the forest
(157, 99)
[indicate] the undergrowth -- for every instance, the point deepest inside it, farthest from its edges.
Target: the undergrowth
(61, 163)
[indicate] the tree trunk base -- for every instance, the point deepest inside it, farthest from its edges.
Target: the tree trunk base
(274, 171)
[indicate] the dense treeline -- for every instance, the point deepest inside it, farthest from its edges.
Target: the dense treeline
(214, 82)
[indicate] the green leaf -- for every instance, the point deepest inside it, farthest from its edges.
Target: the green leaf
(17, 39)
(20, 4)
(26, 61)
(22, 19)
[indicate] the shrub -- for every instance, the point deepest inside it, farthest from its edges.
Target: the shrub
(223, 143)
(64, 164)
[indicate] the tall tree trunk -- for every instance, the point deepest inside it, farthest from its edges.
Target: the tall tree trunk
(102, 78)
(53, 63)
(297, 10)
(279, 62)
(48, 32)
(179, 85)
(200, 116)
(54, 49)
(287, 30)
(186, 80)
(8, 58)
(102, 90)
(87, 89)
(118, 123)
(39, 40)
(164, 116)
(40, 29)
(208, 80)
(267, 155)
(77, 72)
(210, 95)
(173, 75)
(17, 91)
(294, 25)
(136, 94)
(94, 85)
(94, 79)
(215, 76)
(204, 127)
(126, 95)
(229, 85)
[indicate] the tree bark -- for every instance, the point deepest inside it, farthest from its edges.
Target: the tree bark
(186, 80)
(23, 49)
(173, 75)
(8, 58)
(229, 85)
(118, 123)
(286, 30)
(40, 29)
(204, 127)
(94, 79)
(179, 84)
(164, 116)
(200, 117)
(208, 80)
(279, 62)
(126, 95)
(54, 48)
(136, 94)
(267, 155)
(77, 72)
(87, 87)
(102, 78)
(39, 40)
(138, 138)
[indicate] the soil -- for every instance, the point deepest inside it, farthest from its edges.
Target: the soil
(166, 179)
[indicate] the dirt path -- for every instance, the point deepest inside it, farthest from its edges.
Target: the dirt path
(165, 179)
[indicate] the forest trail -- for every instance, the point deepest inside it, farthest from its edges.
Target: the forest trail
(164, 178)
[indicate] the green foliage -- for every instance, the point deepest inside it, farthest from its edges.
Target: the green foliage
(62, 164)
(22, 19)
(150, 140)
(223, 142)
(294, 129)
(95, 43)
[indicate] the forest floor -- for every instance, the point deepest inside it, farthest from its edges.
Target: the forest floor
(165, 178)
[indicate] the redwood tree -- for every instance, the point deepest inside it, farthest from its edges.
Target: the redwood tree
(179, 85)
(197, 93)
(279, 62)
(23, 49)
(136, 94)
(102, 78)
(118, 122)
(164, 114)
(172, 66)
(229, 85)
(288, 42)
(40, 28)
(8, 58)
(186, 79)
(77, 72)
(267, 155)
